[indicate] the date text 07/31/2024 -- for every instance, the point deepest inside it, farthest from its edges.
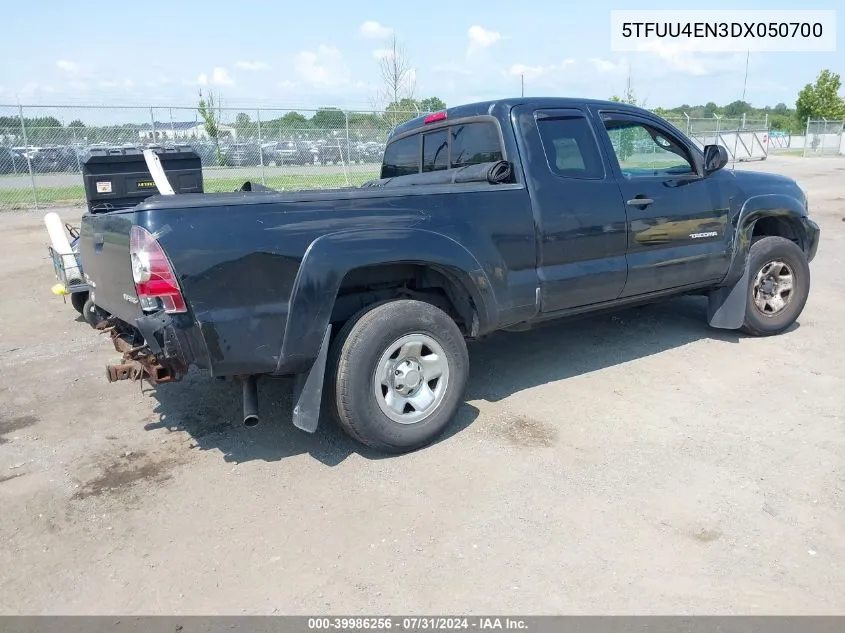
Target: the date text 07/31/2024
(415, 623)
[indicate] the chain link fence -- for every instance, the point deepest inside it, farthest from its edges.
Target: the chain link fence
(824, 138)
(42, 147)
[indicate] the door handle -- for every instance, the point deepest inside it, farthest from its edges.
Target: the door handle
(638, 201)
(98, 242)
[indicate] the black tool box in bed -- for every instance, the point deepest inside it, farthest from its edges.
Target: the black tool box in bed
(118, 177)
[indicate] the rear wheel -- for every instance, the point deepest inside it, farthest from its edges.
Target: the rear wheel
(77, 300)
(92, 314)
(397, 373)
(779, 284)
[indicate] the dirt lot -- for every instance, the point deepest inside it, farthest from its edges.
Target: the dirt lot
(632, 463)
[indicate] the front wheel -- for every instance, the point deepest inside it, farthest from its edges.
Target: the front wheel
(397, 373)
(779, 284)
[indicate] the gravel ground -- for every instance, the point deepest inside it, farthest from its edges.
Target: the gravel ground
(631, 463)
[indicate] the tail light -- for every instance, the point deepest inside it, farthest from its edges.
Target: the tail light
(152, 273)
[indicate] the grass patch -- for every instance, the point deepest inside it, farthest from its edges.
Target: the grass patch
(21, 198)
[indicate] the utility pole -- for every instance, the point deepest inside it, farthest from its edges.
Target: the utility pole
(745, 81)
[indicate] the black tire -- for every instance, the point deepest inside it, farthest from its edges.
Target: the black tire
(763, 252)
(92, 314)
(355, 354)
(77, 300)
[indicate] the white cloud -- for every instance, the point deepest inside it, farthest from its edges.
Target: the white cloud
(677, 57)
(67, 66)
(530, 72)
(219, 77)
(373, 30)
(324, 67)
(382, 53)
(607, 66)
(252, 65)
(79, 86)
(480, 38)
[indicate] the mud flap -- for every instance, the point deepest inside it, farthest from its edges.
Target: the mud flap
(308, 390)
(726, 306)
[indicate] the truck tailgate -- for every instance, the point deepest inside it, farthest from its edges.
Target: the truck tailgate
(104, 250)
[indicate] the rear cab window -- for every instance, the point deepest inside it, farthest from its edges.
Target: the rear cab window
(401, 157)
(446, 147)
(571, 148)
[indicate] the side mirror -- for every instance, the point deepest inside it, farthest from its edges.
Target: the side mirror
(715, 157)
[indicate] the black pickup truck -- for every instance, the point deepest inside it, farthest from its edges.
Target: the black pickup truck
(488, 216)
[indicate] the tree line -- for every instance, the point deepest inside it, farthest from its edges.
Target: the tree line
(817, 100)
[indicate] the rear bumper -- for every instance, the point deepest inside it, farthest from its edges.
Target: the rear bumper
(158, 348)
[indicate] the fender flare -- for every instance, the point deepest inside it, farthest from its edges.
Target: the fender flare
(727, 303)
(754, 209)
(330, 257)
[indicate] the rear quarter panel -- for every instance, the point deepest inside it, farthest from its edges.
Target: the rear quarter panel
(237, 263)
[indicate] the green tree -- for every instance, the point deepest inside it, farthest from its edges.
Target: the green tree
(432, 104)
(211, 122)
(76, 123)
(735, 109)
(782, 108)
(821, 100)
(328, 119)
(244, 125)
(710, 109)
(784, 123)
(401, 111)
(295, 120)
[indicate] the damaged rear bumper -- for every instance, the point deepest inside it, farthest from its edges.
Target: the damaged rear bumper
(155, 349)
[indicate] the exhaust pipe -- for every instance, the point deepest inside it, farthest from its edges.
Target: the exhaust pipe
(250, 401)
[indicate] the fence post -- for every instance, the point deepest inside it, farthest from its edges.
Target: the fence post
(348, 151)
(806, 138)
(824, 133)
(172, 128)
(689, 126)
(766, 121)
(28, 161)
(75, 153)
(260, 146)
(153, 123)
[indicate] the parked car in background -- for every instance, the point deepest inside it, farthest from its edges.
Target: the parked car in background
(11, 162)
(51, 159)
(337, 151)
(242, 154)
(207, 153)
(371, 152)
(289, 153)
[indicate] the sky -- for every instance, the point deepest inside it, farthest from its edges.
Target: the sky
(303, 55)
